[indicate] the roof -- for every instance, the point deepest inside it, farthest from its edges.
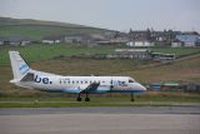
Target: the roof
(188, 38)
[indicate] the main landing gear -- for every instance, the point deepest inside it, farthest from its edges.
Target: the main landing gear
(79, 97)
(86, 97)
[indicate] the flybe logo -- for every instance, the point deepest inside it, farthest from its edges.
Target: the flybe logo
(44, 80)
(23, 69)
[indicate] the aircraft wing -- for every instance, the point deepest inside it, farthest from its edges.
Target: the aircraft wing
(90, 88)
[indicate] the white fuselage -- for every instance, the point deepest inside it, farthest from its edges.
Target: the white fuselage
(26, 77)
(75, 84)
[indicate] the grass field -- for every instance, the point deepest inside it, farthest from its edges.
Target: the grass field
(148, 99)
(181, 71)
(185, 71)
(62, 59)
(39, 52)
(179, 52)
(42, 57)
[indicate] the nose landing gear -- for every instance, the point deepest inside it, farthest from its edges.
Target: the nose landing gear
(132, 97)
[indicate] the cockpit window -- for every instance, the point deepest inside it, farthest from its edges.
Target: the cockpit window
(131, 81)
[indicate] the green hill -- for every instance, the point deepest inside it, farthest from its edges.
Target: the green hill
(37, 29)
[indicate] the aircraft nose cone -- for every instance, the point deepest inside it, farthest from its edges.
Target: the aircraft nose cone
(140, 87)
(143, 88)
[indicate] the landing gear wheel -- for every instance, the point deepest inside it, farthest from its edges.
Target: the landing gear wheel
(87, 99)
(132, 98)
(79, 99)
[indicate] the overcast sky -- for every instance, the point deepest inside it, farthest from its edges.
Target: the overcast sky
(113, 14)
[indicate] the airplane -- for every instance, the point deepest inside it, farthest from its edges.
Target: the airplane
(26, 77)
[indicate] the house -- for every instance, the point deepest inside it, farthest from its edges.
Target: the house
(73, 39)
(15, 41)
(140, 35)
(176, 43)
(81, 39)
(2, 41)
(140, 44)
(189, 40)
(53, 39)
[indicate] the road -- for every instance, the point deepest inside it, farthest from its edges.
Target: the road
(127, 120)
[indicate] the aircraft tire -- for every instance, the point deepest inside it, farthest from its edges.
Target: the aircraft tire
(79, 99)
(87, 99)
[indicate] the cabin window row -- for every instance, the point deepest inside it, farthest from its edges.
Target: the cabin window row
(79, 82)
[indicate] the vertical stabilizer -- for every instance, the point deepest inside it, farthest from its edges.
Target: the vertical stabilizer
(19, 66)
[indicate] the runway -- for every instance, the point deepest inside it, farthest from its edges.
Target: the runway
(128, 120)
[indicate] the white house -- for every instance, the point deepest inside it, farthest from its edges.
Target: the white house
(52, 39)
(140, 44)
(176, 43)
(189, 40)
(47, 41)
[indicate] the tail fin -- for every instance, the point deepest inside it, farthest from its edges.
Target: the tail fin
(19, 67)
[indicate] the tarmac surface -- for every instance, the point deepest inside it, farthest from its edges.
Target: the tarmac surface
(101, 120)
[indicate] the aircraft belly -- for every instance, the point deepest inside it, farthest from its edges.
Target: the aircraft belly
(103, 89)
(124, 89)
